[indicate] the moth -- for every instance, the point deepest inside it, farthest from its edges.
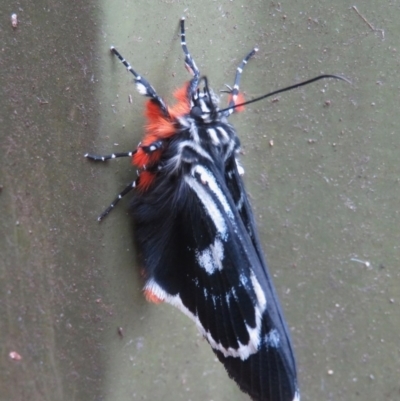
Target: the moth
(196, 233)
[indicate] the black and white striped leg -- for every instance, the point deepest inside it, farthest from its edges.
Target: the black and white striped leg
(117, 199)
(103, 158)
(235, 90)
(189, 62)
(142, 85)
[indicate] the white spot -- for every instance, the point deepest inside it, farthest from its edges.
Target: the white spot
(214, 300)
(209, 206)
(244, 280)
(228, 298)
(231, 294)
(141, 88)
(272, 339)
(239, 69)
(211, 258)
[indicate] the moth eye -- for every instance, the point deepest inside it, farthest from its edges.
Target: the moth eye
(196, 112)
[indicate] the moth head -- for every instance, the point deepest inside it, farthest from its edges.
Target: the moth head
(204, 103)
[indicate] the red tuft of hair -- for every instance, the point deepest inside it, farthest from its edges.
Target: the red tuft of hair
(239, 99)
(152, 297)
(159, 127)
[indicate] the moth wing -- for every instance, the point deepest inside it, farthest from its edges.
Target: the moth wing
(274, 318)
(202, 256)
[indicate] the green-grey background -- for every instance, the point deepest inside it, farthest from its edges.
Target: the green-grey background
(325, 194)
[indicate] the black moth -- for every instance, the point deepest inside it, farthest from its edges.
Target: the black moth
(196, 234)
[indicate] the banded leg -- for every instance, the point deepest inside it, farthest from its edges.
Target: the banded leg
(117, 199)
(235, 90)
(142, 85)
(103, 158)
(189, 62)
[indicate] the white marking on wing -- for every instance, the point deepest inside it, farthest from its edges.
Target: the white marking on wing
(244, 280)
(262, 302)
(211, 258)
(231, 294)
(209, 206)
(243, 351)
(273, 339)
(208, 177)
